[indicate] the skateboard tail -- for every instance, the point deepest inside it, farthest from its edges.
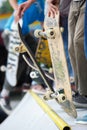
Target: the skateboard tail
(69, 108)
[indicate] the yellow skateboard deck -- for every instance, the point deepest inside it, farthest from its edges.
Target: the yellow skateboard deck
(42, 53)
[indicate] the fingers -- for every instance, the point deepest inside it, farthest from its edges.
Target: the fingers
(52, 10)
(19, 13)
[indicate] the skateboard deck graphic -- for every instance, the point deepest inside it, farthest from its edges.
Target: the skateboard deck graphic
(42, 53)
(59, 94)
(59, 64)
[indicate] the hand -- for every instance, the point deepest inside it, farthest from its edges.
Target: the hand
(52, 10)
(22, 8)
(52, 7)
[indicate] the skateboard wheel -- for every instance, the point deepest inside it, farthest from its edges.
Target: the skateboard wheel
(37, 33)
(3, 68)
(51, 70)
(48, 94)
(17, 49)
(50, 33)
(33, 75)
(61, 29)
(61, 98)
(45, 97)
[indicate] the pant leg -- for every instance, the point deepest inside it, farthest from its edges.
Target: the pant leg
(85, 31)
(64, 24)
(71, 30)
(80, 54)
(80, 63)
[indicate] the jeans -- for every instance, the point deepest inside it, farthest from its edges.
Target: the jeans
(76, 45)
(64, 24)
(85, 31)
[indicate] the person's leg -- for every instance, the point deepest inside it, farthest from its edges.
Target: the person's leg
(85, 31)
(79, 52)
(71, 30)
(64, 24)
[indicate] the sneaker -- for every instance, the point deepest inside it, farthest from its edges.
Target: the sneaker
(5, 105)
(79, 101)
(82, 120)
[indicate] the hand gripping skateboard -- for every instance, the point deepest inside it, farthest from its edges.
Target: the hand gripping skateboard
(58, 94)
(63, 92)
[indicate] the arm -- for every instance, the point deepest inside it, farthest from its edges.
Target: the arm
(22, 8)
(14, 4)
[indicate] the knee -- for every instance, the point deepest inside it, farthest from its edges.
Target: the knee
(75, 40)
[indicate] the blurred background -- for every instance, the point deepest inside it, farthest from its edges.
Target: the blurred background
(5, 12)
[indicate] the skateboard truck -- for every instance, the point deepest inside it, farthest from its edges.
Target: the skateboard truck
(59, 94)
(34, 74)
(20, 48)
(39, 33)
(50, 33)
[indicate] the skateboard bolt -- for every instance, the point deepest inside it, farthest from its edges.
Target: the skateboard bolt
(17, 49)
(63, 98)
(51, 33)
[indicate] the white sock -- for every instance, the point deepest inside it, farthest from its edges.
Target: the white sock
(5, 93)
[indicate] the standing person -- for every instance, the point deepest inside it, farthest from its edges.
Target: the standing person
(83, 119)
(76, 48)
(33, 13)
(64, 11)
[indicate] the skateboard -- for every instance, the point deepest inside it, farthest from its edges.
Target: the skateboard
(59, 64)
(59, 94)
(13, 57)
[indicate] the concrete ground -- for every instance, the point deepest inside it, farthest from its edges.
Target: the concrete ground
(28, 115)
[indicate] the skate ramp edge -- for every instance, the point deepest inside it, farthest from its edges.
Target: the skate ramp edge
(33, 113)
